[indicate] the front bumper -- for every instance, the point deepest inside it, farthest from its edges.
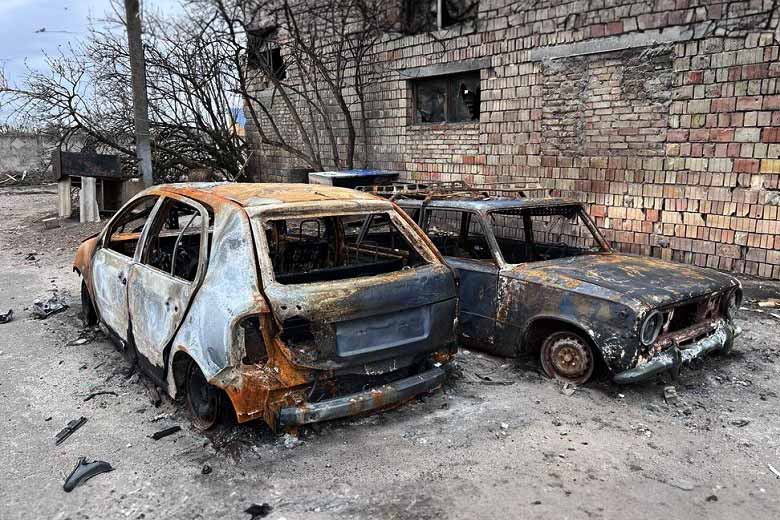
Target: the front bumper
(671, 359)
(354, 404)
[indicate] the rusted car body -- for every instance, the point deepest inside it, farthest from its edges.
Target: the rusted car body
(536, 276)
(262, 293)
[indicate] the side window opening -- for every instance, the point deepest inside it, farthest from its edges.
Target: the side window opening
(175, 243)
(458, 234)
(125, 233)
(307, 250)
(545, 233)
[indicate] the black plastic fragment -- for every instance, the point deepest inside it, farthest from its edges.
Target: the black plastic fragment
(95, 394)
(66, 432)
(164, 433)
(259, 511)
(84, 471)
(8, 316)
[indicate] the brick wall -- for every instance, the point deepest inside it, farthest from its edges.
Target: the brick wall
(663, 116)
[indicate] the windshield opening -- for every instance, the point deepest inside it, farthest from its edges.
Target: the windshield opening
(338, 247)
(545, 233)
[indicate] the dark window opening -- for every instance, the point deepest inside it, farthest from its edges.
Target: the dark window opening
(447, 99)
(125, 233)
(174, 244)
(458, 234)
(265, 55)
(318, 249)
(419, 16)
(546, 233)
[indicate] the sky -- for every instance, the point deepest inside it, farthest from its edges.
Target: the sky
(28, 28)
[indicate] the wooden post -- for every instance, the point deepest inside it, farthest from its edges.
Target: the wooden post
(88, 204)
(64, 204)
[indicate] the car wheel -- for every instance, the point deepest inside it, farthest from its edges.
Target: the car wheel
(88, 313)
(567, 356)
(204, 401)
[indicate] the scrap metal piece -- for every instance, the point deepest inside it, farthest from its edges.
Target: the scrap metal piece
(84, 471)
(8, 316)
(166, 432)
(43, 309)
(69, 430)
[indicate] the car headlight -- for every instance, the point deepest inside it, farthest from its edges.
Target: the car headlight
(733, 303)
(651, 328)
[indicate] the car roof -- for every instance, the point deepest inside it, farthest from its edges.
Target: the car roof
(487, 205)
(251, 194)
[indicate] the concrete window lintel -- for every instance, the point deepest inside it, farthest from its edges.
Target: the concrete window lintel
(677, 33)
(442, 69)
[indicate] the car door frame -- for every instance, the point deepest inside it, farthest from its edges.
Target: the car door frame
(119, 327)
(476, 324)
(151, 332)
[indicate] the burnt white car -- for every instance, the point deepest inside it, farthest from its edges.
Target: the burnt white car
(293, 303)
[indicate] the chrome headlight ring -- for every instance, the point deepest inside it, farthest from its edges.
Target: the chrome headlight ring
(651, 328)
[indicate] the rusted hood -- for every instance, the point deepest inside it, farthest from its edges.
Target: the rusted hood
(648, 280)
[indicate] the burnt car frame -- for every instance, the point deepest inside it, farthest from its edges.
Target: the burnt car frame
(261, 295)
(572, 299)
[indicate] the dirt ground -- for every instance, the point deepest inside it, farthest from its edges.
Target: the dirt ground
(519, 447)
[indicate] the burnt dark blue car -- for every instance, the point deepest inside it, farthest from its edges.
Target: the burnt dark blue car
(536, 276)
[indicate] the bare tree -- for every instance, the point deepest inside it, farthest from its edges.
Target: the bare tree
(302, 69)
(85, 91)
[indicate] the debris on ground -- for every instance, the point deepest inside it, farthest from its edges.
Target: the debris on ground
(102, 392)
(166, 432)
(769, 304)
(568, 389)
(84, 471)
(739, 423)
(712, 498)
(8, 316)
(681, 484)
(43, 309)
(154, 395)
(773, 470)
(158, 417)
(259, 511)
(205, 470)
(51, 223)
(670, 394)
(69, 430)
(290, 441)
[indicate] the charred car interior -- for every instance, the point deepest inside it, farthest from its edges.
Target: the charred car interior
(287, 303)
(536, 276)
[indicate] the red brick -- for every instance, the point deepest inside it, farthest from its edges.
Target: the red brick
(746, 165)
(695, 76)
(771, 102)
(755, 71)
(614, 28)
(723, 104)
(770, 135)
(677, 136)
(749, 103)
(722, 134)
(597, 31)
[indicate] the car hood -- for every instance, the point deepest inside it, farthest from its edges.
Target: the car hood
(651, 281)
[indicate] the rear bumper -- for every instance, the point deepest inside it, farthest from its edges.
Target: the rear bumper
(671, 359)
(354, 404)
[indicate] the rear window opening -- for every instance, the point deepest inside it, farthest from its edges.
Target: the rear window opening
(321, 249)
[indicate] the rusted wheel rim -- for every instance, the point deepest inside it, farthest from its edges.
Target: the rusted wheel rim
(568, 357)
(203, 400)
